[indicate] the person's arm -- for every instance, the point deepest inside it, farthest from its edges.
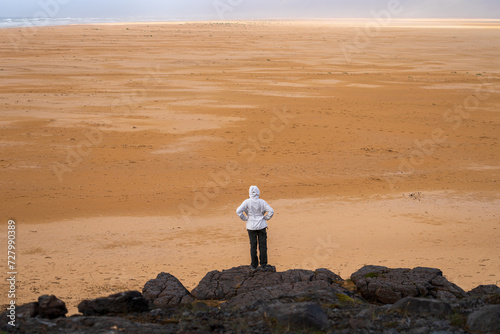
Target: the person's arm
(269, 211)
(242, 209)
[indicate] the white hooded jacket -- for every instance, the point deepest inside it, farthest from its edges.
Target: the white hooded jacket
(255, 211)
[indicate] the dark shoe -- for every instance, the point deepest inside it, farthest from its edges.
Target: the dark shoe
(252, 268)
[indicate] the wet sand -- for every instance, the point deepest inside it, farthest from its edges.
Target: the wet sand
(127, 148)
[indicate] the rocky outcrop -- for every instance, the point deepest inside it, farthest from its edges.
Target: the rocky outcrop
(166, 290)
(90, 325)
(223, 285)
(484, 290)
(378, 284)
(485, 320)
(239, 300)
(47, 307)
(51, 307)
(319, 291)
(119, 303)
(29, 310)
(303, 316)
(241, 287)
(422, 306)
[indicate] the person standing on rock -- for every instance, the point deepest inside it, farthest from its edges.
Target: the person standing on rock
(256, 212)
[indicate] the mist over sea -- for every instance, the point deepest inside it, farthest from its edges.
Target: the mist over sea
(45, 21)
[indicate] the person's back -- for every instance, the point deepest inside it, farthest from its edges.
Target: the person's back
(256, 212)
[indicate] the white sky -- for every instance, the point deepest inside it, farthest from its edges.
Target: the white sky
(248, 9)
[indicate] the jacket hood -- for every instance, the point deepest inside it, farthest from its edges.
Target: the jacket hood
(254, 192)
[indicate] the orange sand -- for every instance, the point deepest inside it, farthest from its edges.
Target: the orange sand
(127, 148)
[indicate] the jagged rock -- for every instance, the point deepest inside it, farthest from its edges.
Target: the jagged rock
(319, 291)
(229, 283)
(165, 290)
(291, 277)
(96, 324)
(241, 287)
(217, 285)
(444, 289)
(383, 285)
(323, 274)
(201, 308)
(119, 303)
(29, 310)
(304, 316)
(484, 290)
(485, 320)
(265, 302)
(50, 307)
(422, 306)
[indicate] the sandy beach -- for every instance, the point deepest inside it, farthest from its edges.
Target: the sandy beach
(127, 148)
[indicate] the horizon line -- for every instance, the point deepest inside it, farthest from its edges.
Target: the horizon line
(443, 23)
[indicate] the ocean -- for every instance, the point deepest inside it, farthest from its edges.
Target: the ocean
(44, 21)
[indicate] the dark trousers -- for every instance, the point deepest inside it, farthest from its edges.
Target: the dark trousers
(260, 237)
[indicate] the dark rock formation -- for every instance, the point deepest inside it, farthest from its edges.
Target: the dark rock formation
(29, 310)
(47, 306)
(484, 290)
(422, 306)
(241, 287)
(305, 316)
(90, 325)
(165, 290)
(485, 320)
(380, 284)
(50, 307)
(296, 300)
(319, 291)
(119, 303)
(222, 285)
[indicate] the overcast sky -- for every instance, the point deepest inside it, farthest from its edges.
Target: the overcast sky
(248, 9)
